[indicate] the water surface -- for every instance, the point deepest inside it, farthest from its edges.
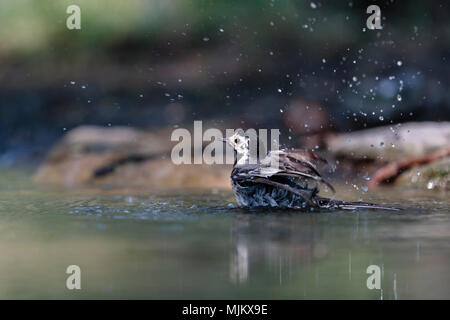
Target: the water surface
(179, 244)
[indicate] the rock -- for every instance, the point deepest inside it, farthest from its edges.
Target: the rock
(306, 118)
(162, 173)
(391, 143)
(308, 122)
(398, 153)
(123, 157)
(435, 175)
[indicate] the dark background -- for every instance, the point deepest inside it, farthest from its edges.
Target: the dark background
(153, 64)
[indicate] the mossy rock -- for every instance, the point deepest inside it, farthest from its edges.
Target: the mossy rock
(435, 175)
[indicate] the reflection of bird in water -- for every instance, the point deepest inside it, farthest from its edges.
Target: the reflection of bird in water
(274, 248)
(281, 180)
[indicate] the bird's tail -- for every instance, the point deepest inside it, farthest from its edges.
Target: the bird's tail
(327, 203)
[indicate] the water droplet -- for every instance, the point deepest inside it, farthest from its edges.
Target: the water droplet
(399, 97)
(313, 5)
(399, 63)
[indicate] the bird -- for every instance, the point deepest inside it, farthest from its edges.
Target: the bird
(284, 178)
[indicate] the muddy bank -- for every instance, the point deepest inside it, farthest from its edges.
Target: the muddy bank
(410, 155)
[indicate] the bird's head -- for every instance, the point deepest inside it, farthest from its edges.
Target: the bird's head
(239, 142)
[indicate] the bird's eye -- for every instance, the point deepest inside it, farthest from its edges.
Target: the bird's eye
(236, 140)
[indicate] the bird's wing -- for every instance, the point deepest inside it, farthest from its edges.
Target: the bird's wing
(293, 163)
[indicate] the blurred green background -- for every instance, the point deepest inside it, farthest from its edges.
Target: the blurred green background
(163, 63)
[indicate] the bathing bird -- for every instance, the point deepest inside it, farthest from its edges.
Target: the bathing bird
(286, 178)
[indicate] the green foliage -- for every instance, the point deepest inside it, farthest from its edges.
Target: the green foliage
(31, 27)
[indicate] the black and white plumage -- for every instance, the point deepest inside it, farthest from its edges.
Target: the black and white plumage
(282, 179)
